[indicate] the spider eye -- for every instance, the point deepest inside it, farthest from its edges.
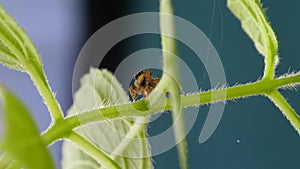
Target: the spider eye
(149, 72)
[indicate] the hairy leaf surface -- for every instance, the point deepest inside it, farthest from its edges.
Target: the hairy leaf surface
(16, 49)
(255, 24)
(100, 88)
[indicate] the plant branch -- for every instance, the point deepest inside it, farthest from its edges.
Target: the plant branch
(45, 91)
(170, 78)
(262, 87)
(269, 71)
(286, 109)
(92, 150)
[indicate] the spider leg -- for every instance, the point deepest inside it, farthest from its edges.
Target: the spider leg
(149, 73)
(140, 90)
(145, 94)
(147, 91)
(132, 92)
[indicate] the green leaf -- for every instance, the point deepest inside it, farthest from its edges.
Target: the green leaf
(18, 52)
(16, 49)
(22, 141)
(256, 25)
(100, 88)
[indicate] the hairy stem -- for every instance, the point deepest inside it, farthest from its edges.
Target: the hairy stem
(45, 91)
(286, 109)
(170, 78)
(262, 87)
(269, 67)
(92, 150)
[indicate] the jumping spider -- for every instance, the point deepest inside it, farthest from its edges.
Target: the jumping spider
(144, 83)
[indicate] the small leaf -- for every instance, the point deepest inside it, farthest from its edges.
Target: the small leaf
(16, 49)
(22, 141)
(256, 25)
(100, 88)
(18, 52)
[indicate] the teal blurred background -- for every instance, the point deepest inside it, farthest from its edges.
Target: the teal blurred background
(252, 133)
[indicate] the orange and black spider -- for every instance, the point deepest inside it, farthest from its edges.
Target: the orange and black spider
(144, 83)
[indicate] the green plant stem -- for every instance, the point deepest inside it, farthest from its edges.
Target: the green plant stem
(286, 109)
(40, 81)
(93, 151)
(269, 71)
(263, 87)
(170, 78)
